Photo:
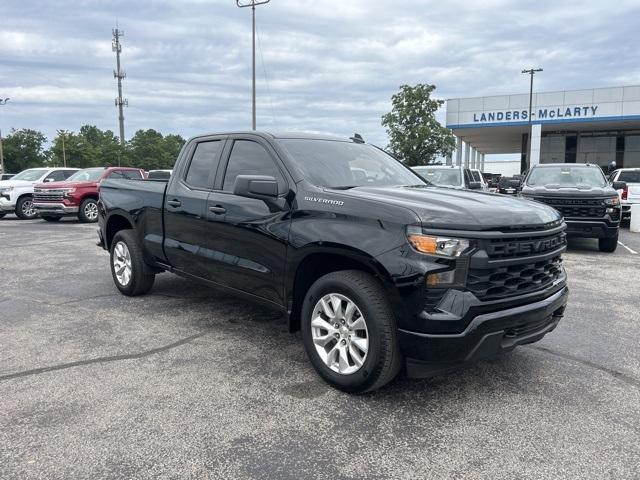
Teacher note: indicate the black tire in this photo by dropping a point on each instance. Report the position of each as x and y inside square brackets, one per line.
[24, 208]
[88, 212]
[2, 214]
[608, 244]
[139, 282]
[383, 358]
[49, 218]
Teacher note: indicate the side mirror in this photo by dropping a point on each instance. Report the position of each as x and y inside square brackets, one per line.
[475, 185]
[619, 185]
[261, 187]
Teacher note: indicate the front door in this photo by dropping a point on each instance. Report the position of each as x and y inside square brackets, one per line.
[248, 237]
[185, 217]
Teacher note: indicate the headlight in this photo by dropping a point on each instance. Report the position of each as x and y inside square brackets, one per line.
[5, 190]
[436, 245]
[68, 191]
[612, 202]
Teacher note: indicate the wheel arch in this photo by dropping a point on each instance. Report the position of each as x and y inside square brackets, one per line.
[315, 262]
[113, 225]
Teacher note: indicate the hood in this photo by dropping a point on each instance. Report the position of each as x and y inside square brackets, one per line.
[449, 208]
[66, 184]
[579, 191]
[15, 183]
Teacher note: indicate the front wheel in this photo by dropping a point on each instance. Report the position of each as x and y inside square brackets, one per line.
[25, 209]
[349, 331]
[127, 265]
[608, 244]
[88, 212]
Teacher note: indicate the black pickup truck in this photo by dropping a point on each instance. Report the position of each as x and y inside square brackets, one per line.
[377, 267]
[583, 196]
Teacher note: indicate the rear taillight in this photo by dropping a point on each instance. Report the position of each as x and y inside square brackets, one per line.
[625, 192]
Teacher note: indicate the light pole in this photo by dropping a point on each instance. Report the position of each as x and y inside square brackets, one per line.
[62, 133]
[524, 165]
[3, 101]
[253, 4]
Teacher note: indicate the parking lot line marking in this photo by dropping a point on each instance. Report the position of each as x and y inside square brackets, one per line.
[630, 249]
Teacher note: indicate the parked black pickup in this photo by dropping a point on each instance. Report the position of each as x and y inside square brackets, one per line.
[583, 196]
[378, 268]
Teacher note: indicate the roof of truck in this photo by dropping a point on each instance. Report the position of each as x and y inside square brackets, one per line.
[279, 135]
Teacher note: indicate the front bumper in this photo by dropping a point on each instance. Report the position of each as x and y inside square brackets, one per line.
[6, 205]
[591, 228]
[47, 208]
[487, 335]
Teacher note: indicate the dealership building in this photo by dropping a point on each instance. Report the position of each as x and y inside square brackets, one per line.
[595, 126]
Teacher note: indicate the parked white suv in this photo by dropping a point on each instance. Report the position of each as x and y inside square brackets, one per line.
[16, 195]
[631, 193]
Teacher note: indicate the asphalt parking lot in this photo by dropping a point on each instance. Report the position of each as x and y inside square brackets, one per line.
[187, 382]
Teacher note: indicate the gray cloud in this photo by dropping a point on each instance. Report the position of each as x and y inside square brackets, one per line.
[331, 66]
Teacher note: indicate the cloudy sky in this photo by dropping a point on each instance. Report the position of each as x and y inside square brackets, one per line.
[324, 65]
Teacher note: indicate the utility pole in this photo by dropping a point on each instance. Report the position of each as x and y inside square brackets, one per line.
[3, 101]
[62, 134]
[118, 73]
[524, 165]
[253, 4]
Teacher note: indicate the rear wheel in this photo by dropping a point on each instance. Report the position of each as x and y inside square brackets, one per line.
[25, 209]
[127, 265]
[608, 244]
[88, 212]
[349, 331]
[49, 218]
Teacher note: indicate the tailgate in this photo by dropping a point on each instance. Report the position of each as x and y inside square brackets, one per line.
[633, 192]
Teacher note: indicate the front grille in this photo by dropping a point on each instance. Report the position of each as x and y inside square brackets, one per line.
[518, 247]
[576, 207]
[494, 283]
[41, 195]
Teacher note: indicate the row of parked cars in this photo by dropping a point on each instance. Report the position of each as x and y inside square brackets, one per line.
[53, 193]
[592, 205]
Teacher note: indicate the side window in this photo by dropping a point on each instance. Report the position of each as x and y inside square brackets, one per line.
[131, 174]
[56, 176]
[250, 158]
[203, 162]
[117, 175]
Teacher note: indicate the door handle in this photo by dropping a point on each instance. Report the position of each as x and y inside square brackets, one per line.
[174, 203]
[218, 210]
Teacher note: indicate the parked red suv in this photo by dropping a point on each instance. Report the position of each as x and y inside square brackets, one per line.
[78, 195]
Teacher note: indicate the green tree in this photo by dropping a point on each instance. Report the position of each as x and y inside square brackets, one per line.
[91, 147]
[24, 148]
[148, 149]
[415, 136]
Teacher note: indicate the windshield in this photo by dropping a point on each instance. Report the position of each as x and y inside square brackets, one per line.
[629, 176]
[567, 176]
[443, 177]
[476, 176]
[87, 175]
[30, 175]
[335, 164]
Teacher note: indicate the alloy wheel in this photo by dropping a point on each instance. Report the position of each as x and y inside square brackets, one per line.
[91, 211]
[27, 209]
[339, 333]
[122, 263]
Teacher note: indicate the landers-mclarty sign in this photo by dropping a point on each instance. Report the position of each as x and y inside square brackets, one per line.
[539, 114]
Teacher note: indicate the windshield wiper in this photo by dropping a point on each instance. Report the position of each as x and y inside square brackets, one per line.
[344, 187]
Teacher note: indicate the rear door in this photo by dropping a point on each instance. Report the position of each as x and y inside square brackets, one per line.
[248, 237]
[185, 208]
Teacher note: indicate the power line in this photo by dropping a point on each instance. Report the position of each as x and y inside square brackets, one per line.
[266, 80]
[119, 74]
